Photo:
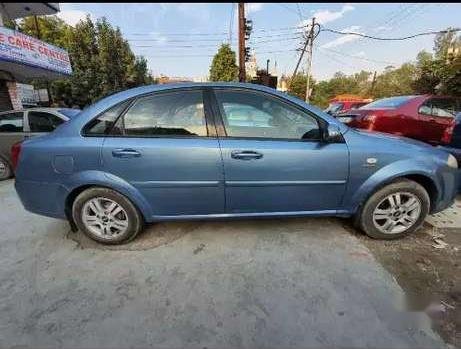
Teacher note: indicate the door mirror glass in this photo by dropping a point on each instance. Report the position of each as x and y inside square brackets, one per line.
[332, 134]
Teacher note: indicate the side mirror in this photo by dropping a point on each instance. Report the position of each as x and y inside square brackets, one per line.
[332, 134]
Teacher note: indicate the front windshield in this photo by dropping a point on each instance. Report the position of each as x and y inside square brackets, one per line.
[388, 103]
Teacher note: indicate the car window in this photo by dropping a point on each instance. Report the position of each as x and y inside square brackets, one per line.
[167, 114]
[104, 123]
[11, 122]
[251, 114]
[440, 107]
[334, 108]
[43, 122]
[388, 103]
[444, 107]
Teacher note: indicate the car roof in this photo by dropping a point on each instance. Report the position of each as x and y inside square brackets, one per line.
[44, 109]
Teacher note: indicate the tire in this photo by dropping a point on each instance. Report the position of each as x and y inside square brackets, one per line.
[91, 213]
[5, 169]
[410, 219]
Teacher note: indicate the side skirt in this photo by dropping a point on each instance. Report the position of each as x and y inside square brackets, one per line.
[325, 213]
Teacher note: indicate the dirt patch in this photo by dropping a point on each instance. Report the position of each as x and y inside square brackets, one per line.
[153, 236]
[430, 276]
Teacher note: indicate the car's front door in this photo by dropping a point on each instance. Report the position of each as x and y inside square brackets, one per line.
[163, 145]
[273, 158]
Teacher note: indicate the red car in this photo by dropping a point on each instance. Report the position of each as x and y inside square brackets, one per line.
[425, 117]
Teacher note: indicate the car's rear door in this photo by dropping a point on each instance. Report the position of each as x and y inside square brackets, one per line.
[165, 146]
[435, 115]
[277, 164]
[11, 131]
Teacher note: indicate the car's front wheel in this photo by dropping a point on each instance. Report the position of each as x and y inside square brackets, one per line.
[106, 216]
[395, 210]
[5, 169]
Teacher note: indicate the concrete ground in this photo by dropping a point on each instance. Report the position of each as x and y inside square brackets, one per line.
[299, 283]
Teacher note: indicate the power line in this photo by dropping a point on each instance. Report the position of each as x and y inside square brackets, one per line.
[388, 39]
[214, 45]
[212, 40]
[356, 57]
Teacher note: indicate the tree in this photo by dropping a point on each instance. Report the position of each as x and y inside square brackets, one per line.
[395, 81]
[101, 59]
[224, 67]
[297, 86]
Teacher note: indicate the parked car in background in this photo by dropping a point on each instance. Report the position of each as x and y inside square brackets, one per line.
[424, 117]
[16, 125]
[344, 103]
[225, 150]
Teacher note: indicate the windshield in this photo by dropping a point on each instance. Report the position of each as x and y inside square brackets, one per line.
[388, 103]
[70, 113]
[334, 108]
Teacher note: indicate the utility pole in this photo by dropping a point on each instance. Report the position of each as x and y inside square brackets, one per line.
[309, 59]
[267, 66]
[301, 56]
[373, 83]
[242, 72]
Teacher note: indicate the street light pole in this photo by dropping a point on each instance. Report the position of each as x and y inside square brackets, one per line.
[242, 72]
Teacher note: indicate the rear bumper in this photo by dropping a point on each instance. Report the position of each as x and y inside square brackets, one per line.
[47, 199]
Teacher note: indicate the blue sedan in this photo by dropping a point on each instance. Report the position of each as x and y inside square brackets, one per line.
[226, 150]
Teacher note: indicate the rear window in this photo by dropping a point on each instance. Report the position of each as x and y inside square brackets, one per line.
[388, 103]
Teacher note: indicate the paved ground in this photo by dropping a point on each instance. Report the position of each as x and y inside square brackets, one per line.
[274, 283]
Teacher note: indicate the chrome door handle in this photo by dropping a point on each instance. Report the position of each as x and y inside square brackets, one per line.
[125, 153]
[246, 154]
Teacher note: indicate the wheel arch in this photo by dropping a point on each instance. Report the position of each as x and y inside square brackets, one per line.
[371, 186]
[93, 179]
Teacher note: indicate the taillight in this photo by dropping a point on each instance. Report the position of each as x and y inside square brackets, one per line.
[448, 134]
[15, 151]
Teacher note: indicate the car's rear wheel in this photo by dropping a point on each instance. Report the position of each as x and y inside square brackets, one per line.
[5, 169]
[106, 216]
[395, 210]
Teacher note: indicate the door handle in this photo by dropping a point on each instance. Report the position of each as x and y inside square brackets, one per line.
[125, 153]
[246, 154]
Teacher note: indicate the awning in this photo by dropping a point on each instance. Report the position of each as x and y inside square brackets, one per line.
[25, 9]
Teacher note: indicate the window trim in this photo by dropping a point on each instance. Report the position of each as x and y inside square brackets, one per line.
[221, 129]
[209, 122]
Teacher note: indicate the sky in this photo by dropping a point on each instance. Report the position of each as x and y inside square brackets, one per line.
[180, 39]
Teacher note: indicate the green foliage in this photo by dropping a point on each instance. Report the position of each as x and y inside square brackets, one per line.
[224, 66]
[297, 86]
[102, 60]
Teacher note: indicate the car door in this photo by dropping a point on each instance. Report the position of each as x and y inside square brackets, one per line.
[164, 146]
[41, 122]
[275, 161]
[435, 114]
[11, 131]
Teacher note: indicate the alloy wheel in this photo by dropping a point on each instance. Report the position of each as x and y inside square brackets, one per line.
[397, 212]
[104, 218]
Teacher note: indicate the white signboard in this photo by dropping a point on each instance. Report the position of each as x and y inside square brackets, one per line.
[20, 48]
